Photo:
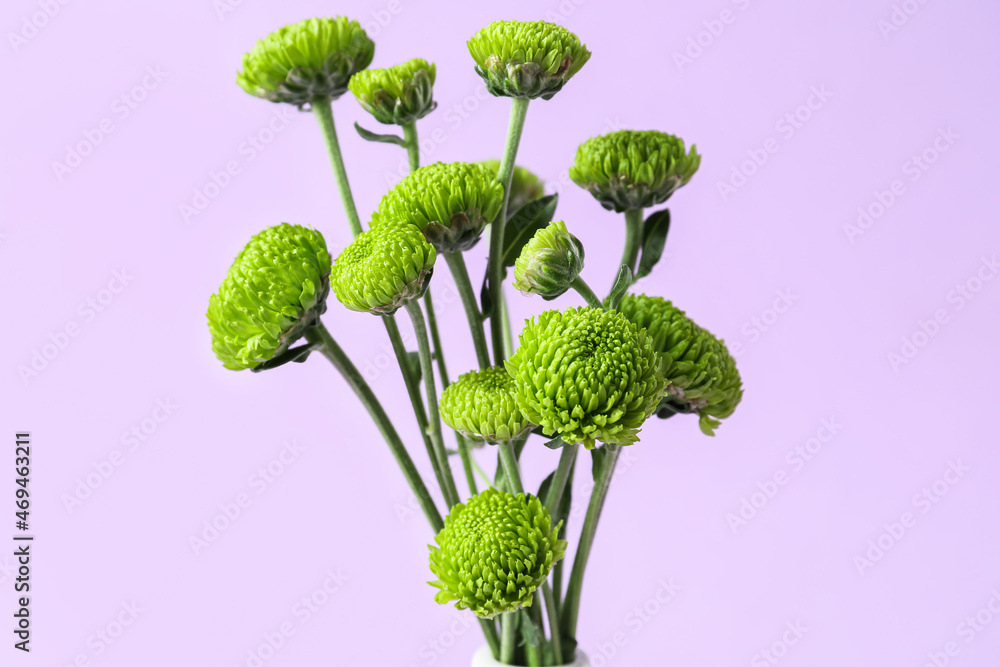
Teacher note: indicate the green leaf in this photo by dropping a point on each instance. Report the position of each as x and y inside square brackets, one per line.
[486, 297]
[529, 631]
[622, 283]
[295, 354]
[522, 226]
[413, 359]
[555, 443]
[597, 461]
[381, 138]
[654, 237]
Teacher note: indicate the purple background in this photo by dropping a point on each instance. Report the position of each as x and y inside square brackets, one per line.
[341, 506]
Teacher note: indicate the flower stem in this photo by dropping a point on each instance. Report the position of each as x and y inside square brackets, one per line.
[518, 111]
[508, 637]
[412, 145]
[508, 459]
[435, 339]
[323, 110]
[553, 613]
[633, 237]
[456, 263]
[507, 337]
[583, 289]
[332, 351]
[533, 653]
[558, 485]
[427, 368]
[571, 605]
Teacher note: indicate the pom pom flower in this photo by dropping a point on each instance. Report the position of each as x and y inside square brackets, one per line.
[493, 552]
[702, 374]
[525, 186]
[451, 203]
[587, 375]
[396, 95]
[549, 262]
[305, 61]
[480, 405]
[274, 291]
[630, 170]
[383, 268]
[526, 59]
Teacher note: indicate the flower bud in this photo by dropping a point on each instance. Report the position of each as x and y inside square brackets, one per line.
[275, 290]
[305, 61]
[526, 59]
[480, 405]
[549, 262]
[450, 203]
[383, 268]
[702, 374]
[587, 375]
[629, 170]
[494, 551]
[396, 95]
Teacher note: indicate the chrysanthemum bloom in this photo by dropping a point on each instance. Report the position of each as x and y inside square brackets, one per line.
[383, 268]
[526, 59]
[274, 291]
[702, 374]
[493, 552]
[524, 186]
[396, 95]
[480, 405]
[305, 61]
[451, 203]
[587, 375]
[549, 262]
[630, 170]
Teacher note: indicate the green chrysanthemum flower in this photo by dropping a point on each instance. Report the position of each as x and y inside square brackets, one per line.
[493, 552]
[628, 169]
[702, 374]
[274, 291]
[480, 405]
[383, 268]
[451, 203]
[305, 61]
[587, 375]
[396, 95]
[525, 186]
[549, 262]
[526, 59]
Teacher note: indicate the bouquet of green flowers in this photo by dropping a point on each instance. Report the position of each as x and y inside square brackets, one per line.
[583, 376]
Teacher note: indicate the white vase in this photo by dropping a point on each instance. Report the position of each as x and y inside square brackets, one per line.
[484, 658]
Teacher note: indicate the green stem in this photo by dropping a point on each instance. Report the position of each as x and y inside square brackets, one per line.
[518, 111]
[427, 368]
[571, 605]
[332, 351]
[459, 271]
[533, 653]
[436, 339]
[563, 517]
[412, 145]
[553, 614]
[489, 627]
[323, 110]
[508, 637]
[413, 390]
[558, 485]
[583, 289]
[507, 337]
[508, 459]
[633, 237]
[482, 474]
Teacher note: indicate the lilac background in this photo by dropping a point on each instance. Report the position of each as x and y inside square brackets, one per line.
[342, 506]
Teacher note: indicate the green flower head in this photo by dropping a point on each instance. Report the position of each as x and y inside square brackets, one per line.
[383, 268]
[628, 170]
[396, 95]
[304, 61]
[526, 59]
[274, 291]
[587, 375]
[493, 552]
[701, 372]
[451, 203]
[480, 405]
[525, 187]
[549, 262]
